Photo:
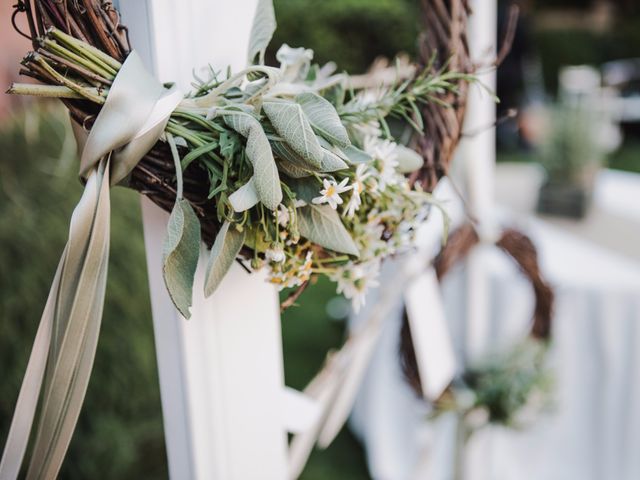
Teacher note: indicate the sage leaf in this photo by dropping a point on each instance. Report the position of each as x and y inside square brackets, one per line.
[224, 251]
[181, 250]
[264, 25]
[284, 152]
[293, 126]
[322, 225]
[258, 149]
[332, 163]
[245, 197]
[408, 160]
[356, 156]
[323, 118]
[293, 170]
[305, 188]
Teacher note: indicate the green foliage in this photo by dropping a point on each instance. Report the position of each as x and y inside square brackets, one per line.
[180, 255]
[557, 48]
[120, 431]
[322, 225]
[223, 253]
[307, 337]
[351, 33]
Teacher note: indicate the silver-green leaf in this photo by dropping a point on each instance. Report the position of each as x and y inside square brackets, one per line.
[356, 156]
[181, 250]
[224, 251]
[265, 171]
[283, 151]
[293, 126]
[293, 170]
[408, 160]
[322, 225]
[264, 25]
[245, 197]
[332, 163]
[323, 118]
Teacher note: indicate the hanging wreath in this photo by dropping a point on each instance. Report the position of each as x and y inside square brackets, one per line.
[292, 168]
[501, 387]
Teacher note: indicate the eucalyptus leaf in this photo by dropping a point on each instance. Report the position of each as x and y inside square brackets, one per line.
[323, 118]
[356, 156]
[264, 25]
[181, 249]
[245, 197]
[265, 171]
[322, 225]
[408, 160]
[224, 251]
[292, 124]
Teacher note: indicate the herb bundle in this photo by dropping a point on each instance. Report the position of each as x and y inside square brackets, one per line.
[290, 168]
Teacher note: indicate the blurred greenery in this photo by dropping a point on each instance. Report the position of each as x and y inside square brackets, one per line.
[351, 33]
[557, 48]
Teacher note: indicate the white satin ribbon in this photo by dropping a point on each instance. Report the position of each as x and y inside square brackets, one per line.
[130, 122]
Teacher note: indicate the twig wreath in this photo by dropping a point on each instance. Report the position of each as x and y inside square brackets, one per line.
[291, 167]
[506, 385]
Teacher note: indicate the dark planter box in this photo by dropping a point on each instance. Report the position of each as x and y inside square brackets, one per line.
[564, 199]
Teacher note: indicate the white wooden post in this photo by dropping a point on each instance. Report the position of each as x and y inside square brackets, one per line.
[480, 156]
[221, 373]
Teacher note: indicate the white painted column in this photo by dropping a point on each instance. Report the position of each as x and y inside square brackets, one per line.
[479, 153]
[221, 372]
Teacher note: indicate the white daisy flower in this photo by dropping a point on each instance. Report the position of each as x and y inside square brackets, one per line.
[355, 280]
[331, 192]
[385, 154]
[353, 205]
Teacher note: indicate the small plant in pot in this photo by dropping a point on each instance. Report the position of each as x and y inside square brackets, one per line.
[580, 134]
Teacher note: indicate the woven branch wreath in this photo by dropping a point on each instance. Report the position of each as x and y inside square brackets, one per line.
[293, 168]
[504, 384]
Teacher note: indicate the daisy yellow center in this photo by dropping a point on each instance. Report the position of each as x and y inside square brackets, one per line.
[331, 191]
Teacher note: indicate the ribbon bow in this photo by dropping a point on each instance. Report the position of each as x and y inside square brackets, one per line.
[131, 121]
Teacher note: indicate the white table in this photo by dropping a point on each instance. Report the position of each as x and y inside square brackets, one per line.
[594, 431]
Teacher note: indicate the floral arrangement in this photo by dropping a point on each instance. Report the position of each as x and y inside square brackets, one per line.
[300, 169]
[510, 388]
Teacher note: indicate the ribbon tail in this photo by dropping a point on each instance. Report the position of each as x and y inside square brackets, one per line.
[27, 403]
[85, 270]
[74, 311]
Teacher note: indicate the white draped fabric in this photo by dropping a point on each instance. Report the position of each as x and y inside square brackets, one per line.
[593, 430]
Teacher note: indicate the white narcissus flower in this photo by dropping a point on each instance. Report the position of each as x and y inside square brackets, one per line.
[275, 254]
[331, 192]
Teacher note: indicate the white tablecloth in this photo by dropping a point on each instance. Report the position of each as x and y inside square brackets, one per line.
[593, 432]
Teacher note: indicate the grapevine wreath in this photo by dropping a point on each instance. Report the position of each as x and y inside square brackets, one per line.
[505, 386]
[292, 168]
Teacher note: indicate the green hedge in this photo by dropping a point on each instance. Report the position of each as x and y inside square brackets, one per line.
[350, 32]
